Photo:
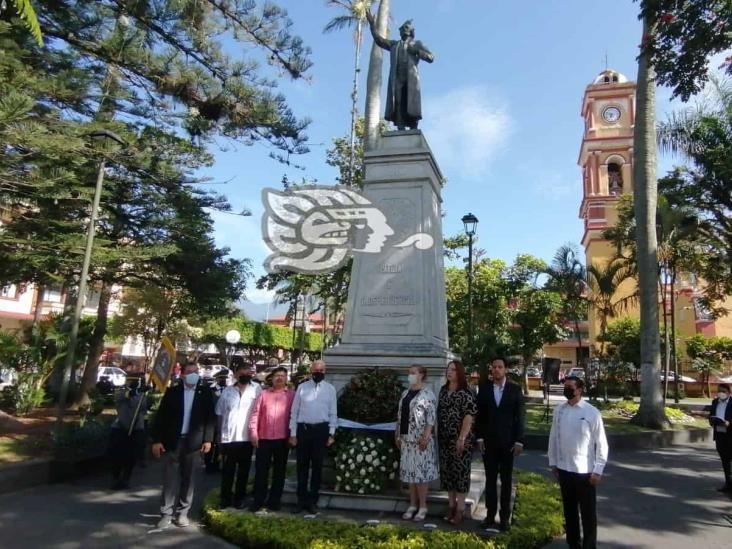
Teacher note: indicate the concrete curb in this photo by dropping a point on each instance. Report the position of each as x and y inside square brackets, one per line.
[37, 472]
[634, 441]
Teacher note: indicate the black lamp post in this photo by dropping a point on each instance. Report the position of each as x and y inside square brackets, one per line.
[81, 295]
[470, 222]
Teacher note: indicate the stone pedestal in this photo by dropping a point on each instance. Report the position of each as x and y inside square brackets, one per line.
[396, 314]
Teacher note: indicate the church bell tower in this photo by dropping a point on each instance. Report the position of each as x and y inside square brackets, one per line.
[606, 160]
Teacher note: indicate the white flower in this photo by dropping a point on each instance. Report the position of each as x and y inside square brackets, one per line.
[383, 468]
[360, 490]
[352, 466]
[374, 452]
[395, 464]
[348, 487]
[351, 452]
[376, 462]
[363, 472]
[372, 445]
[338, 478]
[369, 458]
[359, 458]
[347, 474]
[391, 476]
[367, 481]
[353, 440]
[379, 441]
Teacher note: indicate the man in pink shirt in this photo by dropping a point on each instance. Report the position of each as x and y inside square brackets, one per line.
[269, 432]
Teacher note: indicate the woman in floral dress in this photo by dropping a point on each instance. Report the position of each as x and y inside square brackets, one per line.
[415, 423]
[456, 410]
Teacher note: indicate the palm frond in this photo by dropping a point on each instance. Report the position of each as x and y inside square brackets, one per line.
[28, 15]
[339, 23]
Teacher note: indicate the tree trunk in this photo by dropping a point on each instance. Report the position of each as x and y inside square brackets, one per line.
[667, 350]
[37, 309]
[525, 374]
[96, 344]
[645, 193]
[373, 82]
[354, 101]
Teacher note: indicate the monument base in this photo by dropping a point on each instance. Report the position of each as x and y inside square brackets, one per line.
[396, 314]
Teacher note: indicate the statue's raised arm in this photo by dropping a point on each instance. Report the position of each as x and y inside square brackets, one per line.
[380, 40]
[403, 94]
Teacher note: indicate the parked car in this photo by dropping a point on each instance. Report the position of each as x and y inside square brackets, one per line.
[576, 372]
[116, 376]
[682, 378]
[8, 377]
[533, 372]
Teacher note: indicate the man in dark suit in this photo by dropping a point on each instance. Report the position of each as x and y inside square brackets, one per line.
[499, 427]
[720, 418]
[183, 429]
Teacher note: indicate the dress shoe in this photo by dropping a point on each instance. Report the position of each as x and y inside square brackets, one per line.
[299, 508]
[164, 523]
[254, 508]
[725, 488]
[311, 509]
[239, 504]
[489, 523]
[273, 506]
[224, 503]
[182, 522]
[504, 526]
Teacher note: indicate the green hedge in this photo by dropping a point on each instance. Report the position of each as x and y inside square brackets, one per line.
[537, 520]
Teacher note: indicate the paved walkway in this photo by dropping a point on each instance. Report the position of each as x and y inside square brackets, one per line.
[649, 499]
[87, 514]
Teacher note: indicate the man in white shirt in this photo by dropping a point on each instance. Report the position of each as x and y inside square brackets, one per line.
[234, 409]
[578, 453]
[313, 422]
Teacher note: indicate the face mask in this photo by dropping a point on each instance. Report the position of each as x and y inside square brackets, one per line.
[244, 379]
[192, 378]
[413, 379]
[222, 383]
[723, 396]
[569, 393]
[318, 376]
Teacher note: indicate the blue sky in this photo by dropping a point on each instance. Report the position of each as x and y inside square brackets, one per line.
[501, 113]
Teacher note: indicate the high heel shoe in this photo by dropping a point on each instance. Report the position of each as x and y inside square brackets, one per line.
[421, 514]
[457, 517]
[409, 513]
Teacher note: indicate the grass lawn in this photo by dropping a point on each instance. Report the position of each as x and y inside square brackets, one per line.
[22, 447]
[614, 422]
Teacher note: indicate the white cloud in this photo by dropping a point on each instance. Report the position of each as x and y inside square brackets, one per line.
[556, 186]
[466, 127]
[255, 295]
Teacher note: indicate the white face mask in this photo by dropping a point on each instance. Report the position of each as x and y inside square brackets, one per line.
[413, 379]
[723, 396]
[192, 378]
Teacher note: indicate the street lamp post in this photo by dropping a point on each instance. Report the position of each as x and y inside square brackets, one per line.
[232, 338]
[470, 222]
[74, 333]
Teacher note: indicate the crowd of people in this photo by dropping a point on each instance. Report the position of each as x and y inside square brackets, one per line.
[436, 435]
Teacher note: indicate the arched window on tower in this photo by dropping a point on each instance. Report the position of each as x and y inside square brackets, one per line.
[614, 179]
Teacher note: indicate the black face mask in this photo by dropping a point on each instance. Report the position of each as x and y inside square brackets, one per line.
[318, 377]
[569, 393]
[244, 379]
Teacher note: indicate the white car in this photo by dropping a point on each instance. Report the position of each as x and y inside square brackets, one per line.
[684, 379]
[116, 376]
[8, 377]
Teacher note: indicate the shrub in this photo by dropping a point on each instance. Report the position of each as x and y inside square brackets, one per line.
[537, 520]
[364, 464]
[372, 396]
[23, 397]
[79, 438]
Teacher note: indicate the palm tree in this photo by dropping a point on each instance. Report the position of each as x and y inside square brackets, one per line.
[567, 276]
[603, 282]
[645, 192]
[372, 112]
[355, 15]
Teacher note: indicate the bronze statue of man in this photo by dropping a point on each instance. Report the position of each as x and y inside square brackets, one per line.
[403, 96]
